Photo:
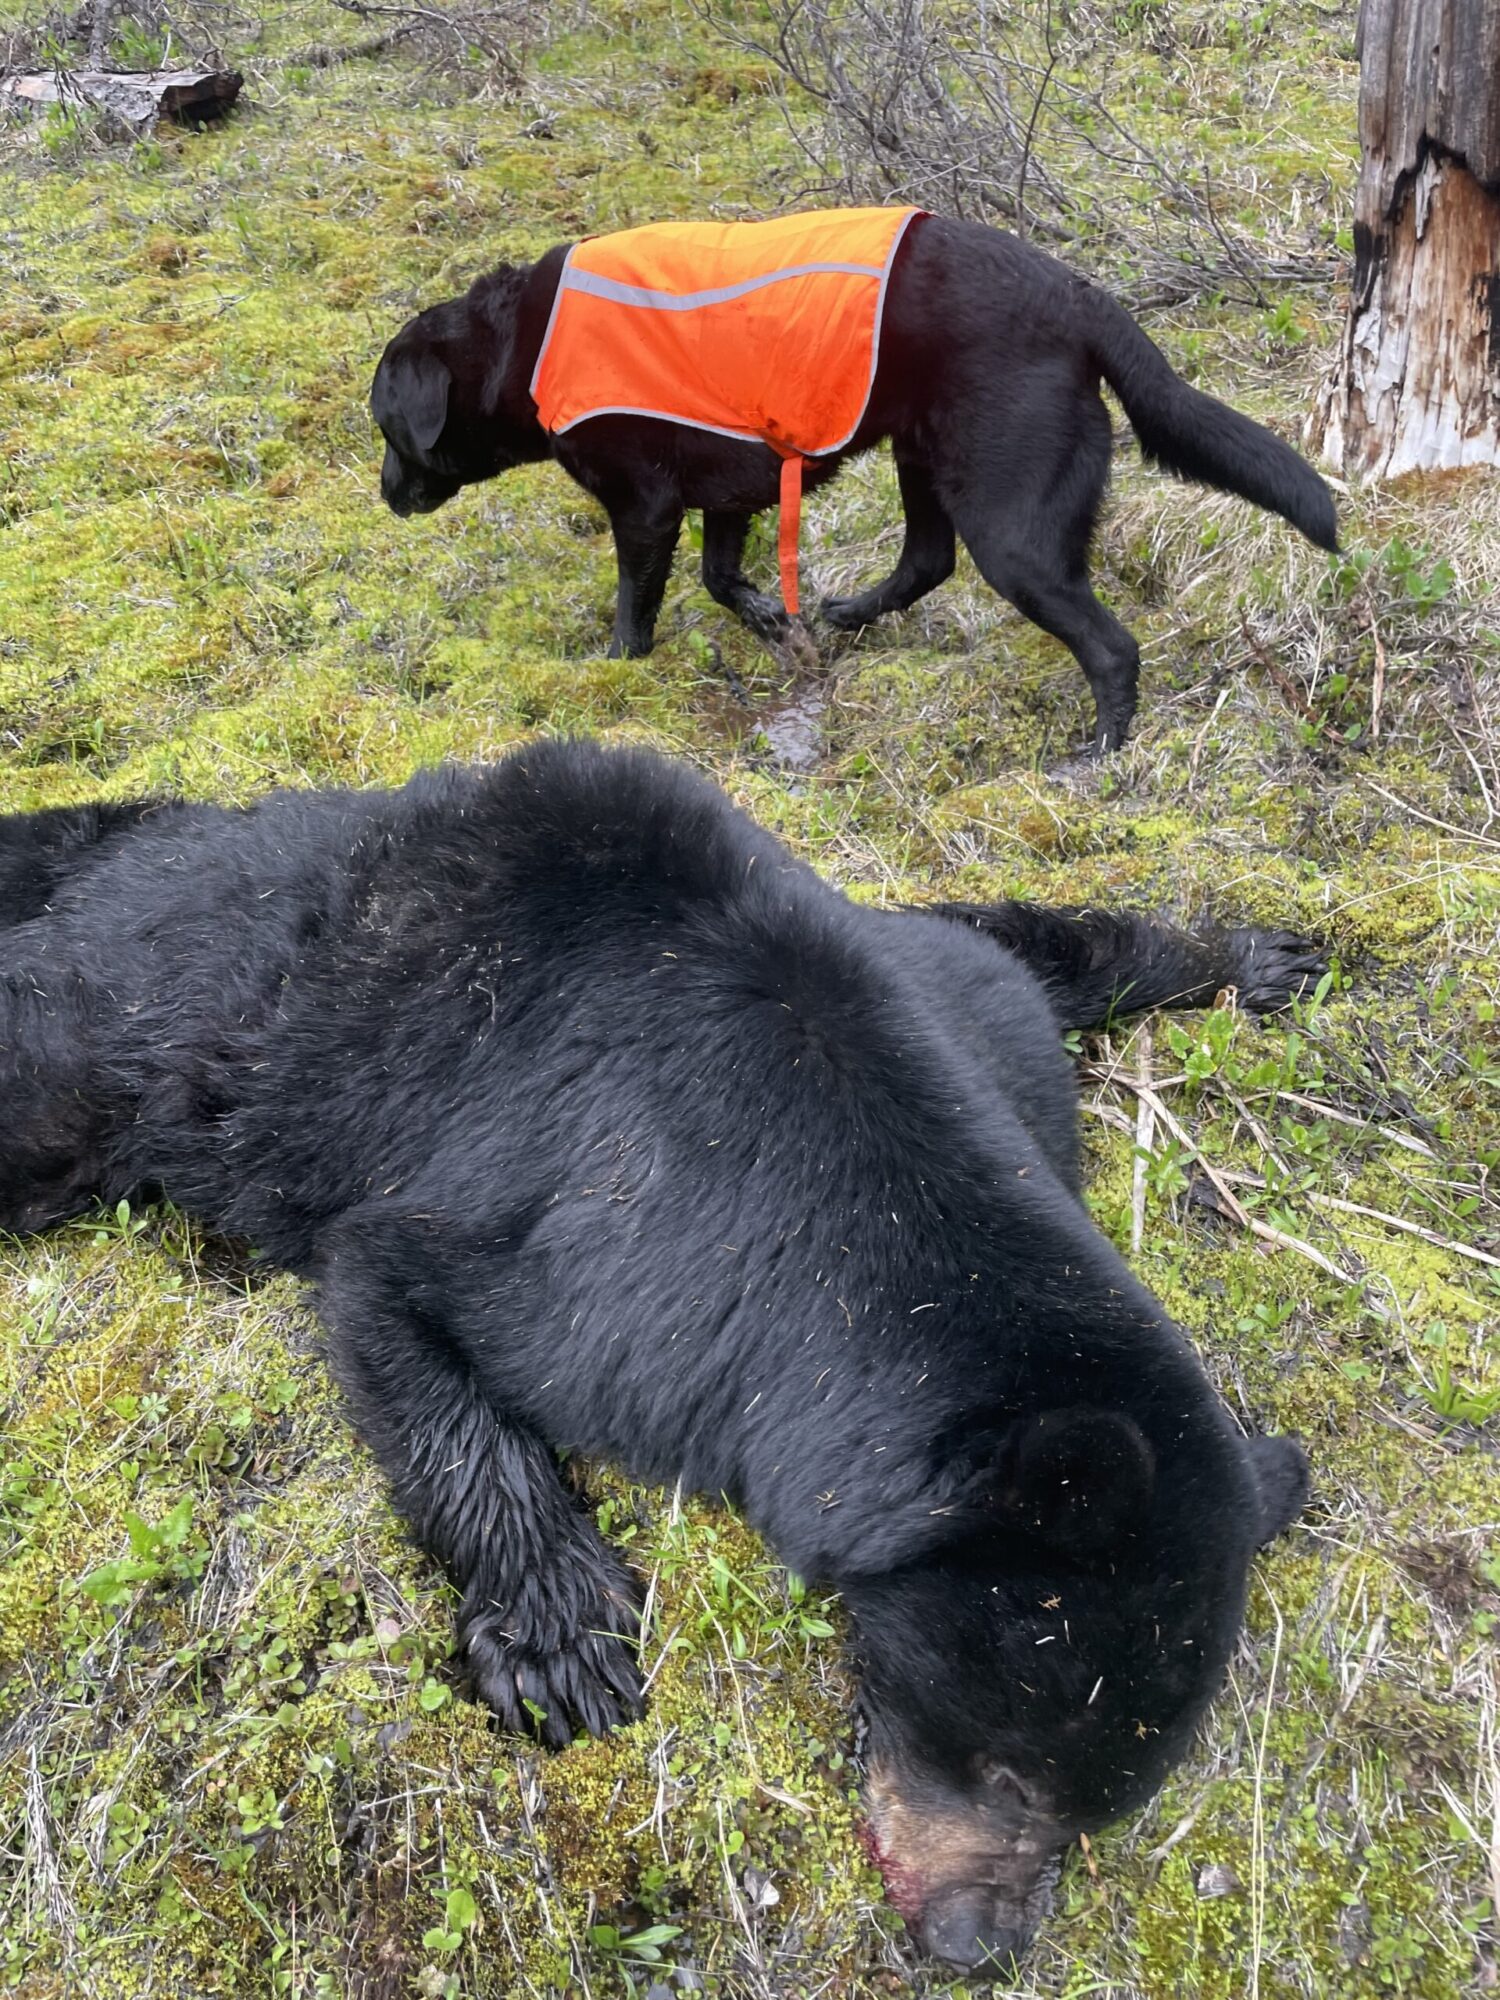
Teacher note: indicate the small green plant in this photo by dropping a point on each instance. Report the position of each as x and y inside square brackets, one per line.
[1282, 327]
[128, 1827]
[115, 1225]
[459, 1913]
[166, 1552]
[1202, 1049]
[1166, 1168]
[1445, 1393]
[260, 1812]
[1266, 1316]
[644, 1946]
[66, 135]
[1409, 568]
[137, 47]
[1457, 1402]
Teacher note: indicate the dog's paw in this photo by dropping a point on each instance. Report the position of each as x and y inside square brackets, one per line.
[846, 614]
[1270, 968]
[552, 1680]
[764, 615]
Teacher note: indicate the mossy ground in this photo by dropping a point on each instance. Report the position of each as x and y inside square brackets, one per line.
[237, 1763]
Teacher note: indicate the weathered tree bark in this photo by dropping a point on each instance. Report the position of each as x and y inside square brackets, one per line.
[1417, 384]
[137, 98]
[101, 33]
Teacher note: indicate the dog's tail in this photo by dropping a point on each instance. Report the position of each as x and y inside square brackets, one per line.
[1198, 436]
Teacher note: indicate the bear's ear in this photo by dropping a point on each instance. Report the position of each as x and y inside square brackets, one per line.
[418, 386]
[1076, 1480]
[1282, 1482]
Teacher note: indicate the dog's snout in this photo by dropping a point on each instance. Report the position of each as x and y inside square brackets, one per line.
[393, 486]
[966, 1929]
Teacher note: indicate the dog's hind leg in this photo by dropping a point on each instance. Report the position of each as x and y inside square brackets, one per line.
[1098, 963]
[927, 556]
[548, 1611]
[1111, 660]
[726, 583]
[1058, 597]
[1023, 484]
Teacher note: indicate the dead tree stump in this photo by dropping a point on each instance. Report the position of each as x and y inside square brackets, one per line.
[1416, 387]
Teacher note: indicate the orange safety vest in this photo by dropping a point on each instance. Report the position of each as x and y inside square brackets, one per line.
[767, 330]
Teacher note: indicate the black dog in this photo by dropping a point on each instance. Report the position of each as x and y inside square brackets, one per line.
[987, 386]
[634, 1137]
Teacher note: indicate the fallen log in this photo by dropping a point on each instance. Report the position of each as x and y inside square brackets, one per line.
[137, 98]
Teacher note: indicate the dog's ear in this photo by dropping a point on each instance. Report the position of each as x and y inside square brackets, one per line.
[1282, 1483]
[418, 385]
[1075, 1480]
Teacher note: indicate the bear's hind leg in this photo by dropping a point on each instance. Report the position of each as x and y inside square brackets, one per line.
[1099, 963]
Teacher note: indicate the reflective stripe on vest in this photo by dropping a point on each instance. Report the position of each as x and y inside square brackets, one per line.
[756, 330]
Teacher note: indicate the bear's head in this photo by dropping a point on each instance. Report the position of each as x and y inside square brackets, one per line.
[1043, 1656]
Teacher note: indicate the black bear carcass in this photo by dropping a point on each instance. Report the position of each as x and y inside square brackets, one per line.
[601, 1123]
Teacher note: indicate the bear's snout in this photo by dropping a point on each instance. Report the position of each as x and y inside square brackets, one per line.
[967, 1927]
[974, 1884]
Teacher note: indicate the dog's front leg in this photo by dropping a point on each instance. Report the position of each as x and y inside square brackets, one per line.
[645, 540]
[927, 556]
[726, 583]
[549, 1614]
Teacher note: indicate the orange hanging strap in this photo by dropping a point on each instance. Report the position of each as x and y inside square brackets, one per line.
[791, 527]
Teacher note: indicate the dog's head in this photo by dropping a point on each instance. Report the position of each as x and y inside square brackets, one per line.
[1033, 1674]
[442, 398]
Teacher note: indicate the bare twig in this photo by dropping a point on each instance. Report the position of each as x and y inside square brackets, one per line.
[327, 55]
[1377, 690]
[1232, 1205]
[497, 31]
[1341, 1207]
[1289, 692]
[1364, 1124]
[1145, 1130]
[1428, 819]
[984, 113]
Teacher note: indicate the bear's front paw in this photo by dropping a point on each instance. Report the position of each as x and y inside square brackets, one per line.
[1271, 968]
[550, 1674]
